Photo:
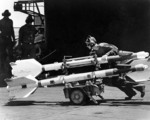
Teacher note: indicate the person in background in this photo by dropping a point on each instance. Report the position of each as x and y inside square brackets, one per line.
[26, 39]
[7, 37]
[7, 33]
[3, 54]
[106, 49]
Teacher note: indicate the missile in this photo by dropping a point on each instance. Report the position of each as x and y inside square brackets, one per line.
[32, 67]
[22, 87]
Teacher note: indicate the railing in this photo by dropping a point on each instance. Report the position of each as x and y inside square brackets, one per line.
[30, 7]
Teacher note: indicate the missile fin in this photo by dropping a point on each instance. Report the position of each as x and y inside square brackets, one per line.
[21, 87]
[140, 76]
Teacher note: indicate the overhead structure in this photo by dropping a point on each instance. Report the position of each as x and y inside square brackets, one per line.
[31, 7]
[31, 0]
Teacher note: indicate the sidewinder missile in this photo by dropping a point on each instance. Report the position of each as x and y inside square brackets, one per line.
[22, 87]
[32, 67]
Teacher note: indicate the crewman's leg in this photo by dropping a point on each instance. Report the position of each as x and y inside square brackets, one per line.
[136, 86]
[128, 91]
[141, 89]
[121, 84]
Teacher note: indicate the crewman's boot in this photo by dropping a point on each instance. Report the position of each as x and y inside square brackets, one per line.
[141, 89]
[130, 96]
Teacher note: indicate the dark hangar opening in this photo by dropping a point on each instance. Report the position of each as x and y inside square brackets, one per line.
[124, 23]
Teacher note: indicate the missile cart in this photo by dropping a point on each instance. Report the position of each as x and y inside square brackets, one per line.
[82, 94]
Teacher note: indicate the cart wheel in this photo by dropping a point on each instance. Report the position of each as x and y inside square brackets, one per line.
[78, 97]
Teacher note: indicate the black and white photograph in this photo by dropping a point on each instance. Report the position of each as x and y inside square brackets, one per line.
[74, 59]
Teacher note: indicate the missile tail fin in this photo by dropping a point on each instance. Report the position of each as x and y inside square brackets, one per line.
[21, 87]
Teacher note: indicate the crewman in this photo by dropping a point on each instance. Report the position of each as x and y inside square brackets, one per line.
[26, 38]
[106, 49]
[7, 37]
[7, 33]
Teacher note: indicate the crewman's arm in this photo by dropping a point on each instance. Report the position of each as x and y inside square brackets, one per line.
[20, 36]
[113, 50]
[12, 32]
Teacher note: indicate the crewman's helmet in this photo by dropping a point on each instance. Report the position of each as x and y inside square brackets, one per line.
[6, 13]
[29, 19]
[90, 41]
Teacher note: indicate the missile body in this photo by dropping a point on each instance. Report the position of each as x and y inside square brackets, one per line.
[88, 75]
[89, 60]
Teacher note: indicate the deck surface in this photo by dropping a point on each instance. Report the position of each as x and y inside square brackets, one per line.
[50, 104]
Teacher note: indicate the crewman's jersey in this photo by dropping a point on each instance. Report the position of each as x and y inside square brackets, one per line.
[104, 49]
[6, 27]
[27, 34]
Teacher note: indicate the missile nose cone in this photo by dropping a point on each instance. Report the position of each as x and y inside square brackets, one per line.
[146, 66]
[146, 54]
[142, 54]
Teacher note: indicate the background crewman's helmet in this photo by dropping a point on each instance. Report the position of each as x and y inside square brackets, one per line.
[6, 13]
[29, 19]
[90, 41]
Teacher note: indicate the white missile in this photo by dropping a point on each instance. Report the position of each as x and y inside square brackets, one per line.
[22, 87]
[32, 67]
